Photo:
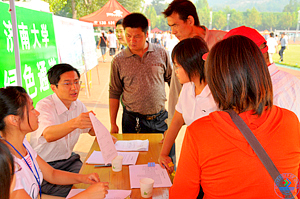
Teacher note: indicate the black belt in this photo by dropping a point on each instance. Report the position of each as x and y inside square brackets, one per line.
[146, 117]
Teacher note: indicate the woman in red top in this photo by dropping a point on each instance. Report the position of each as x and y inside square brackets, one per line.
[215, 154]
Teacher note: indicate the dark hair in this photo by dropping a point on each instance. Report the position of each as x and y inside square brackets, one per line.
[119, 22]
[188, 53]
[110, 31]
[183, 8]
[238, 76]
[271, 34]
[57, 70]
[6, 171]
[136, 20]
[13, 101]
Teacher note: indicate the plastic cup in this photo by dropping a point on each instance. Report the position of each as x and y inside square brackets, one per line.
[146, 187]
[117, 163]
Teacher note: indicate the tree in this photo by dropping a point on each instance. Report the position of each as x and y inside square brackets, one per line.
[219, 20]
[56, 5]
[269, 21]
[158, 6]
[80, 8]
[201, 4]
[162, 23]
[293, 6]
[286, 20]
[151, 14]
[253, 18]
[236, 19]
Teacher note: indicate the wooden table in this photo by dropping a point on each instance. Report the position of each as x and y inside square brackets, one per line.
[120, 180]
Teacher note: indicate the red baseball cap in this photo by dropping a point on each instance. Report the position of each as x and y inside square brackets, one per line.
[251, 33]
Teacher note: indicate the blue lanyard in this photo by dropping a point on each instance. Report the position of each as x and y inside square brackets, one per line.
[37, 178]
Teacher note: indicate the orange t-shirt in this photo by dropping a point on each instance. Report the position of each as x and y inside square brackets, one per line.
[216, 155]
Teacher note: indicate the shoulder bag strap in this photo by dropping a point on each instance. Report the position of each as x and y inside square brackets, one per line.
[257, 148]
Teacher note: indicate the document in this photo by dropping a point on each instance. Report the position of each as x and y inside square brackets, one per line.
[158, 174]
[112, 194]
[128, 158]
[132, 145]
[104, 140]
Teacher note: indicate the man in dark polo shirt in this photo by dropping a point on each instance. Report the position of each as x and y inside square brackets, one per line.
[139, 73]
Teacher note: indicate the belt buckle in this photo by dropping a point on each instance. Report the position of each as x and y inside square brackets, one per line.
[150, 117]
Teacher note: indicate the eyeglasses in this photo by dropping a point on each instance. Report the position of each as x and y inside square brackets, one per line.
[69, 84]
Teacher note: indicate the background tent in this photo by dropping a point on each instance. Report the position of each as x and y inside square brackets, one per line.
[156, 30]
[108, 15]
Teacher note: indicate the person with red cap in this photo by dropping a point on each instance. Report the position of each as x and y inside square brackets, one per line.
[215, 154]
[286, 87]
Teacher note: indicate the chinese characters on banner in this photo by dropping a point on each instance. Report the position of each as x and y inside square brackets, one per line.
[38, 50]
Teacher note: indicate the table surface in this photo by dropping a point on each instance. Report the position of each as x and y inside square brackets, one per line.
[120, 180]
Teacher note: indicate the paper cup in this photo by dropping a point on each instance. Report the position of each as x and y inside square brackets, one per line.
[146, 187]
[117, 163]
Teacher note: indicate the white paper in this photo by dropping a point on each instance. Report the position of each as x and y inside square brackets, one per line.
[112, 194]
[104, 140]
[158, 174]
[132, 145]
[128, 158]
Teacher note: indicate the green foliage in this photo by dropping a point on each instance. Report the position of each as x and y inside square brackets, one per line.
[253, 18]
[286, 20]
[219, 20]
[236, 19]
[159, 6]
[132, 5]
[161, 23]
[293, 6]
[56, 5]
[269, 21]
[151, 14]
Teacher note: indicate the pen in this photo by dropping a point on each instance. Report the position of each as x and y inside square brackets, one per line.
[103, 165]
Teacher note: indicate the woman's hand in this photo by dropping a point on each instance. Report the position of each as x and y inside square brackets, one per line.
[95, 191]
[91, 178]
[165, 161]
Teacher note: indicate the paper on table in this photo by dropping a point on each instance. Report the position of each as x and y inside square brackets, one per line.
[158, 174]
[104, 140]
[132, 145]
[128, 157]
[112, 194]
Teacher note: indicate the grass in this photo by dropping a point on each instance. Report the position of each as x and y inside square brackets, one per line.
[291, 56]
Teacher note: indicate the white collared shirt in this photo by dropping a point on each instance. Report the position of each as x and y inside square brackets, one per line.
[286, 89]
[194, 107]
[54, 112]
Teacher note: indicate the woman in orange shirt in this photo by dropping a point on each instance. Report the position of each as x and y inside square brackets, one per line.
[215, 154]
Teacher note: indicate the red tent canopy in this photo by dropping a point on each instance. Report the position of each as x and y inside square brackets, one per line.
[108, 15]
[155, 30]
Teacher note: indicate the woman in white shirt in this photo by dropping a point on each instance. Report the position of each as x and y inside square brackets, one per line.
[195, 100]
[17, 118]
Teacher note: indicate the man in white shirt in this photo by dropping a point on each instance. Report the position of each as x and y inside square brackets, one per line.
[272, 44]
[62, 119]
[112, 43]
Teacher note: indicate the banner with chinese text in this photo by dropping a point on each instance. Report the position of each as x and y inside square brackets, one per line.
[37, 46]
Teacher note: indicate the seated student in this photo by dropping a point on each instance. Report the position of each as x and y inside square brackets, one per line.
[214, 153]
[62, 119]
[17, 118]
[7, 176]
[195, 100]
